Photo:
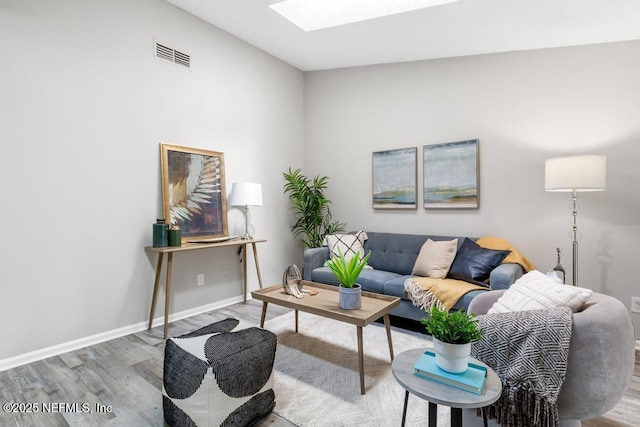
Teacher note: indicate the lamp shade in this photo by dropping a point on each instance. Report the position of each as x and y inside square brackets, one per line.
[579, 173]
[246, 194]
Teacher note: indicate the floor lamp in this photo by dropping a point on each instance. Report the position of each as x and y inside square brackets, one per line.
[246, 194]
[575, 174]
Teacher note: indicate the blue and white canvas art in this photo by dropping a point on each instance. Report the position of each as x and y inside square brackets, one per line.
[395, 179]
[451, 175]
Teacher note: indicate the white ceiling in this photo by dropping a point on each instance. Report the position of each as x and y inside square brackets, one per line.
[468, 27]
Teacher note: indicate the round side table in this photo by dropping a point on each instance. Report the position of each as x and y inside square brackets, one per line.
[442, 394]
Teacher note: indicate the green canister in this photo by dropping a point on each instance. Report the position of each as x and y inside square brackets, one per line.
[160, 233]
[175, 236]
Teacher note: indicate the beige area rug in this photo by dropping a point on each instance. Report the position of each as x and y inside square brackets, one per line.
[317, 381]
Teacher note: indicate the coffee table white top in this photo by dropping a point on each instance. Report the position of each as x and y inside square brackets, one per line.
[442, 394]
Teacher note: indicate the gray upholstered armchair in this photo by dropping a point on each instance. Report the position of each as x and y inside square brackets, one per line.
[600, 363]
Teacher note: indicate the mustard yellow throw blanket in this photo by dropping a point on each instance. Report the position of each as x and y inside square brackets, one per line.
[426, 292]
[514, 257]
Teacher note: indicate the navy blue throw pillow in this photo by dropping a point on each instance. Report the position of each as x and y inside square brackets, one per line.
[474, 262]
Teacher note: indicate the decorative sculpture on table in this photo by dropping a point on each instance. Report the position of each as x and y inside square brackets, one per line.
[559, 268]
[292, 282]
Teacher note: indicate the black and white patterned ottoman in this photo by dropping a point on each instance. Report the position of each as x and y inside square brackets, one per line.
[219, 375]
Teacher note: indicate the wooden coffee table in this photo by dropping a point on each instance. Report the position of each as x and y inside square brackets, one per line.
[325, 304]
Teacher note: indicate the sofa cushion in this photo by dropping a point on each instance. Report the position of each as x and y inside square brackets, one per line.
[475, 262]
[373, 280]
[435, 258]
[535, 291]
[463, 303]
[396, 252]
[324, 275]
[347, 244]
[395, 287]
[370, 280]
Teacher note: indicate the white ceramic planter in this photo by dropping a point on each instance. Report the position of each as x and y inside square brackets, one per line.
[452, 358]
[350, 298]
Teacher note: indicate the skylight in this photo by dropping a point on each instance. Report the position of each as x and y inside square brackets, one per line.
[313, 15]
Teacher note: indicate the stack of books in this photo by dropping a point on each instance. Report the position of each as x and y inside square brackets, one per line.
[471, 380]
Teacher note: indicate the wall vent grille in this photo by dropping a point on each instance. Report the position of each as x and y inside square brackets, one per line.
[168, 54]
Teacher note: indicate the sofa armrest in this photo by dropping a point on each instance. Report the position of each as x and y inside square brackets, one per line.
[504, 275]
[314, 258]
[483, 302]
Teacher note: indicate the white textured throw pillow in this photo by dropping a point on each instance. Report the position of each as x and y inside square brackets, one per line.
[535, 291]
[435, 258]
[348, 244]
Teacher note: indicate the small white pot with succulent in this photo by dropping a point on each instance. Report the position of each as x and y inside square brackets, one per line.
[452, 332]
[347, 272]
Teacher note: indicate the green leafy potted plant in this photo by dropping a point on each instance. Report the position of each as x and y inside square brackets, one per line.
[347, 272]
[452, 332]
[313, 215]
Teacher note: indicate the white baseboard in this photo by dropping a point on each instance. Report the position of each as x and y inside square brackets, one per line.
[66, 347]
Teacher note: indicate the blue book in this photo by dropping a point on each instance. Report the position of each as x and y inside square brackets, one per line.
[471, 380]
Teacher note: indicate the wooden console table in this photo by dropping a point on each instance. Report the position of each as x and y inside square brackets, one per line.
[198, 246]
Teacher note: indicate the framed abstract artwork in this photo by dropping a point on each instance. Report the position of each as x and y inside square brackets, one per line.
[193, 191]
[451, 175]
[395, 179]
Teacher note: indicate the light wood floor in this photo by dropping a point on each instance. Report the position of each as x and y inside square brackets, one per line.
[126, 373]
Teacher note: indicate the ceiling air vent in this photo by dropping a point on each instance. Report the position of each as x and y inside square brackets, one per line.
[172, 55]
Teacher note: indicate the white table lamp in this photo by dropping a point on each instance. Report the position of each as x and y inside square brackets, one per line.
[246, 194]
[576, 174]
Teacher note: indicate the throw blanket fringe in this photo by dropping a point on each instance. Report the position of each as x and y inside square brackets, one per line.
[520, 408]
[528, 350]
[425, 292]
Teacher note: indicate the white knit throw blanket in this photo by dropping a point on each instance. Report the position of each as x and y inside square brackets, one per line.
[528, 350]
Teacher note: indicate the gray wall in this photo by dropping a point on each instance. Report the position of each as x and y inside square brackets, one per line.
[524, 107]
[84, 106]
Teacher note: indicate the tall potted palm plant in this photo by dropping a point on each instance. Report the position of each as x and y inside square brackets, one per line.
[312, 211]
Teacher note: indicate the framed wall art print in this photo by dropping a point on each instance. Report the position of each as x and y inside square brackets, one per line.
[395, 179]
[451, 175]
[193, 191]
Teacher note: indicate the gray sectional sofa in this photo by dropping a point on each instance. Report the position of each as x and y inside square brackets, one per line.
[393, 256]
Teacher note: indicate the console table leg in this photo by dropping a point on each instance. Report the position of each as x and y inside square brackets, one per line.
[167, 293]
[360, 359]
[264, 313]
[156, 284]
[387, 325]
[433, 414]
[296, 321]
[255, 258]
[244, 273]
